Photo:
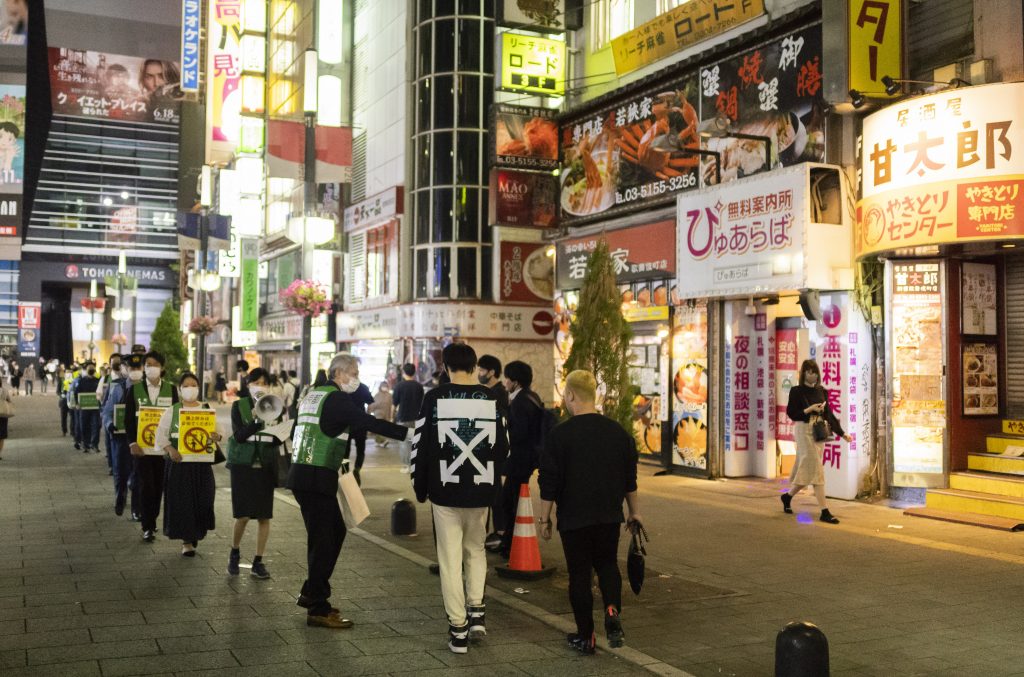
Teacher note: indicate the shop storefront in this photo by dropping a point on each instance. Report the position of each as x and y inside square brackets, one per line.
[943, 206]
[280, 336]
[642, 251]
[385, 338]
[765, 282]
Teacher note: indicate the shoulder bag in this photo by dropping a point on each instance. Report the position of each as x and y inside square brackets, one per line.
[635, 562]
[821, 431]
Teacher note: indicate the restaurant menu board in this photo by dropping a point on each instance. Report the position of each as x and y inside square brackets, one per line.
[636, 151]
[981, 379]
[918, 405]
[978, 299]
[645, 373]
[690, 387]
[523, 137]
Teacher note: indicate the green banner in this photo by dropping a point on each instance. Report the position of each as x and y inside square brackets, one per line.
[250, 288]
[88, 401]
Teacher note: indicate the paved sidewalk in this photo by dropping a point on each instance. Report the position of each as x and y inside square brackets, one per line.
[80, 594]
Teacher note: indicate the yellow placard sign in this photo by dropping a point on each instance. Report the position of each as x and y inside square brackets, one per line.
[530, 63]
[1013, 427]
[149, 419]
[645, 314]
[876, 43]
[195, 427]
[679, 28]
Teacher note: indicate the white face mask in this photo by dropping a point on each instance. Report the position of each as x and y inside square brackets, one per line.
[135, 374]
[351, 386]
[153, 373]
[190, 393]
[256, 391]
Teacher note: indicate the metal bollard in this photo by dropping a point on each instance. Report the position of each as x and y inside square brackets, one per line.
[403, 518]
[801, 650]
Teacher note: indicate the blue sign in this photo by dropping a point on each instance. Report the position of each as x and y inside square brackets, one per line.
[190, 28]
[28, 342]
[219, 230]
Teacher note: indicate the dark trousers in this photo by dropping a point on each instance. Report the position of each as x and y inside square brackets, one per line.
[76, 428]
[121, 459]
[592, 548]
[359, 442]
[149, 484]
[325, 533]
[62, 404]
[89, 424]
[28, 387]
[509, 505]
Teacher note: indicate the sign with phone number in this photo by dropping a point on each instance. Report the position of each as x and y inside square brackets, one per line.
[655, 188]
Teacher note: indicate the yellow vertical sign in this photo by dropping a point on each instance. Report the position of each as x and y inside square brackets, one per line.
[195, 427]
[876, 43]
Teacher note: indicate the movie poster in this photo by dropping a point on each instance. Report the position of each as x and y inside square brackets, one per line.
[114, 87]
[12, 156]
[14, 22]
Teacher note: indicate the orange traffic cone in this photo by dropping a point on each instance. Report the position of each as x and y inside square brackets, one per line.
[524, 562]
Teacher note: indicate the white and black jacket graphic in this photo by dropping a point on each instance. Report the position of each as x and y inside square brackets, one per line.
[459, 448]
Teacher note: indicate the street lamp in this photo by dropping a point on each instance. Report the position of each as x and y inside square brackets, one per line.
[92, 318]
[311, 69]
[203, 280]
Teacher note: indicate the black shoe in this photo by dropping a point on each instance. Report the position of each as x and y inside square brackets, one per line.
[826, 516]
[134, 517]
[79, 446]
[233, 560]
[475, 613]
[148, 536]
[613, 628]
[118, 507]
[458, 639]
[259, 570]
[304, 602]
[786, 499]
[493, 540]
[584, 646]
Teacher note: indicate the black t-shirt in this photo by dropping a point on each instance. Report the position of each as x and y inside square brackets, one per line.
[587, 468]
[408, 397]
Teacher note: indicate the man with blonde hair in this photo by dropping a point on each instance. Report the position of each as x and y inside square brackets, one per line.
[588, 467]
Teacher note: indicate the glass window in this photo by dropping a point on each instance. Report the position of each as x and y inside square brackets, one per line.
[442, 275]
[443, 217]
[423, 104]
[467, 161]
[422, 272]
[444, 46]
[467, 214]
[423, 55]
[469, 101]
[485, 265]
[469, 44]
[423, 217]
[469, 7]
[444, 8]
[466, 283]
[423, 161]
[489, 46]
[488, 93]
[444, 101]
[442, 158]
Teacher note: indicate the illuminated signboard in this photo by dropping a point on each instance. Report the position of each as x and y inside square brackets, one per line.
[876, 49]
[190, 32]
[530, 63]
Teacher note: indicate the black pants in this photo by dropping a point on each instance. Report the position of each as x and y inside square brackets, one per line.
[592, 548]
[509, 505]
[325, 533]
[62, 404]
[149, 478]
[359, 442]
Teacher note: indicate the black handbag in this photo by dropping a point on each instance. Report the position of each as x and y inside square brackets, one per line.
[821, 431]
[635, 563]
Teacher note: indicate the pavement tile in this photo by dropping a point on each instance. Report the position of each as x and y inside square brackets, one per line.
[12, 658]
[321, 651]
[30, 640]
[197, 660]
[94, 651]
[295, 669]
[154, 631]
[76, 669]
[375, 665]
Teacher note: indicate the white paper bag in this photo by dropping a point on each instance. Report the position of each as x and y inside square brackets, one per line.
[350, 497]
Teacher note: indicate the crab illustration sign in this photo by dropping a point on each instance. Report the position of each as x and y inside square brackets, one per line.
[465, 425]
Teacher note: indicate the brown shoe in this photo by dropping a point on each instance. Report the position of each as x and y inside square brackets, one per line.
[332, 620]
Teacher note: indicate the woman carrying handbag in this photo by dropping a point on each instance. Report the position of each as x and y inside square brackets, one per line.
[815, 423]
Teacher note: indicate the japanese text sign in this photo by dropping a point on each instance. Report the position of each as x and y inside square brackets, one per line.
[744, 236]
[639, 253]
[190, 38]
[195, 427]
[942, 168]
[530, 63]
[527, 273]
[679, 28]
[535, 15]
[114, 87]
[876, 43]
[149, 419]
[250, 283]
[523, 137]
[224, 77]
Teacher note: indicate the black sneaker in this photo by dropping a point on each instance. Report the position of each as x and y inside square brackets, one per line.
[148, 536]
[233, 559]
[786, 499]
[584, 645]
[458, 639]
[613, 628]
[79, 446]
[259, 570]
[826, 516]
[475, 613]
[493, 540]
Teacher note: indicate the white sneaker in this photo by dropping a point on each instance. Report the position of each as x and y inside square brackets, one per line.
[405, 470]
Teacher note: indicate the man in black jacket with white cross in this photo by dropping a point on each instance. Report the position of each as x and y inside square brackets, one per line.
[459, 449]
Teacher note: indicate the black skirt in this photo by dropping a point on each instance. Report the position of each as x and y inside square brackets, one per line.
[252, 491]
[3, 428]
[189, 491]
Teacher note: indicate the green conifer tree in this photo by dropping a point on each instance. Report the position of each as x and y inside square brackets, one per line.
[166, 339]
[600, 338]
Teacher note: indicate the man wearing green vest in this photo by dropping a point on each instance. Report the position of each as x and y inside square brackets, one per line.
[326, 417]
[149, 468]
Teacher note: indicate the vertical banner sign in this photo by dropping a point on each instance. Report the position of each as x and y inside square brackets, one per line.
[190, 25]
[250, 284]
[786, 366]
[690, 387]
[876, 43]
[12, 157]
[224, 105]
[29, 320]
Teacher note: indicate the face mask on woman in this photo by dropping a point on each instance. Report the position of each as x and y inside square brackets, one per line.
[153, 373]
[135, 374]
[257, 391]
[190, 393]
